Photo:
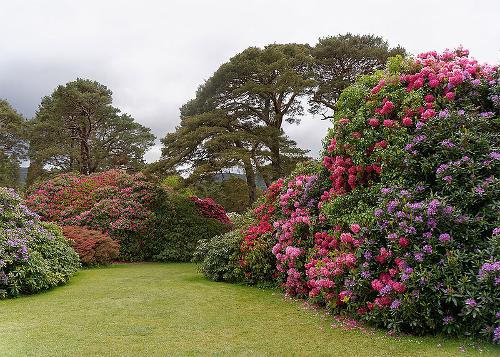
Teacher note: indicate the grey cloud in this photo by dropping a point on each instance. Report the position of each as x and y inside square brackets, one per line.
[154, 54]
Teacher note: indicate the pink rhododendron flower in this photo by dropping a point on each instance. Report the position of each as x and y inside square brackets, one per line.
[398, 287]
[429, 98]
[450, 95]
[428, 113]
[377, 285]
[355, 228]
[389, 123]
[407, 121]
[373, 122]
[404, 242]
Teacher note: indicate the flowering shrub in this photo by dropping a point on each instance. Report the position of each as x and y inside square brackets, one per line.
[112, 202]
[93, 247]
[211, 209]
[256, 259]
[34, 255]
[419, 267]
[150, 223]
[400, 225]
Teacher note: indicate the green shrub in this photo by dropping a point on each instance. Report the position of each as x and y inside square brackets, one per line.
[34, 255]
[176, 227]
[218, 257]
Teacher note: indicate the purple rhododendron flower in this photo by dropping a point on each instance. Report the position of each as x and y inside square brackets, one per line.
[419, 257]
[433, 206]
[448, 143]
[365, 274]
[448, 179]
[396, 304]
[471, 302]
[447, 320]
[496, 334]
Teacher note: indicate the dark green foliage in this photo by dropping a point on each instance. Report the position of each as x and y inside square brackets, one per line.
[12, 144]
[338, 60]
[469, 183]
[232, 193]
[9, 171]
[176, 227]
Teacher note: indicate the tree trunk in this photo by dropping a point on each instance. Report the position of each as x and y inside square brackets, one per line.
[85, 157]
[35, 170]
[260, 171]
[250, 176]
[274, 146]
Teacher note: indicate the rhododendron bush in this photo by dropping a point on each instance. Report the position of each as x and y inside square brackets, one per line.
[400, 226]
[149, 223]
[112, 202]
[211, 209]
[34, 255]
[178, 223]
[93, 247]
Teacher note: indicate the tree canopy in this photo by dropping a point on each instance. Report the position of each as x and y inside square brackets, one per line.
[236, 118]
[76, 128]
[338, 60]
[12, 144]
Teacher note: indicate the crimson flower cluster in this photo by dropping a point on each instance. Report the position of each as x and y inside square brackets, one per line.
[211, 209]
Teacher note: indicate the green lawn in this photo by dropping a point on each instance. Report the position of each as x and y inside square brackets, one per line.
[170, 309]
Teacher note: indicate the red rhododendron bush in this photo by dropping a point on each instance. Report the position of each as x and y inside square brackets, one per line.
[211, 209]
[93, 247]
[399, 226]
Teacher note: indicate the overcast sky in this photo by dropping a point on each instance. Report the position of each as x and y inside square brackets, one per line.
[154, 54]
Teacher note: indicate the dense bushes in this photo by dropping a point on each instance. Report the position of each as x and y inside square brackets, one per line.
[33, 255]
[149, 222]
[111, 201]
[93, 247]
[176, 226]
[400, 225]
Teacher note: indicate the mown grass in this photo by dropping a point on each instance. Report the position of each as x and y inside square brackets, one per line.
[170, 309]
